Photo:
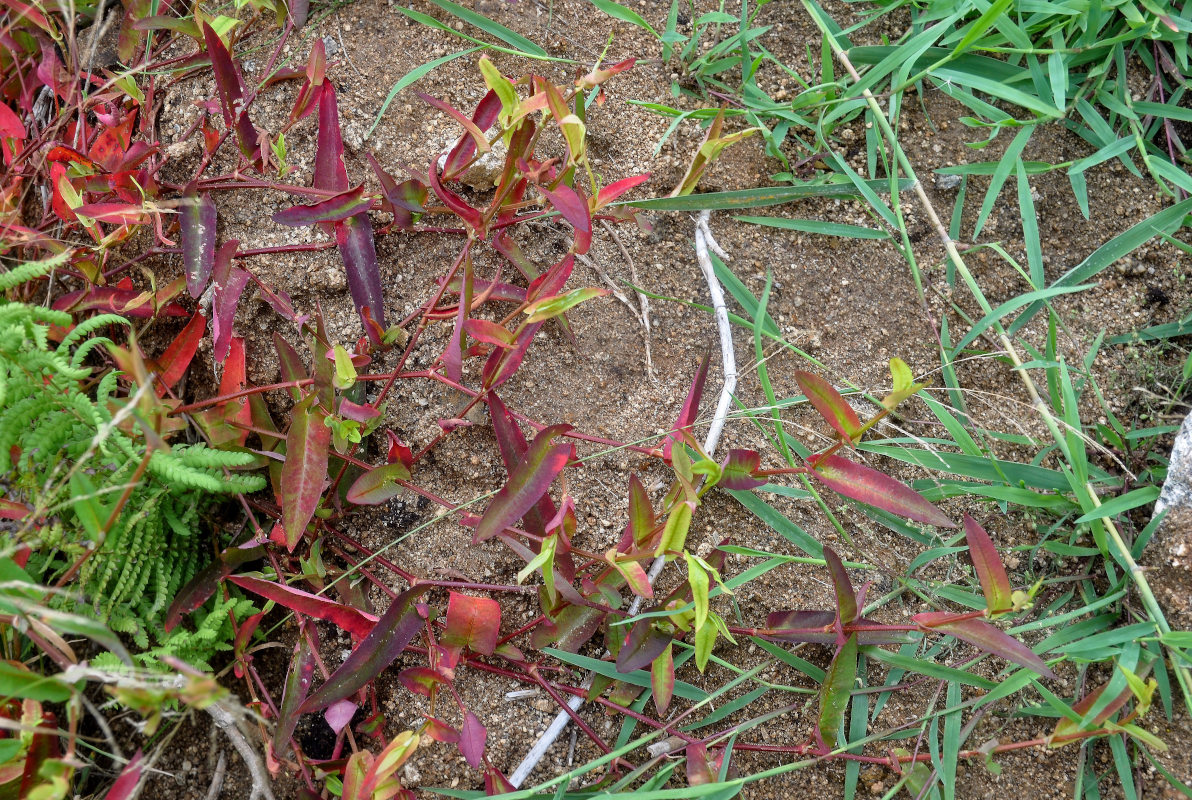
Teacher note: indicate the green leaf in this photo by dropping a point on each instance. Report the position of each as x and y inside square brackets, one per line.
[514, 40]
[697, 578]
[816, 226]
[754, 198]
[836, 690]
[378, 485]
[625, 15]
[1122, 504]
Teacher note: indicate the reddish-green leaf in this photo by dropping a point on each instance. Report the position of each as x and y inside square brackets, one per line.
[305, 471]
[424, 681]
[574, 208]
[197, 221]
[472, 622]
[985, 636]
[472, 738]
[333, 209]
[379, 649]
[352, 620]
[633, 573]
[298, 681]
[227, 78]
[176, 359]
[737, 470]
[482, 119]
[831, 406]
[489, 332]
[126, 785]
[846, 598]
[454, 202]
[292, 368]
[529, 481]
[551, 307]
[569, 630]
[479, 140]
[641, 514]
[994, 581]
[440, 731]
[662, 679]
[114, 213]
[836, 690]
[690, 408]
[378, 485]
[875, 488]
[819, 627]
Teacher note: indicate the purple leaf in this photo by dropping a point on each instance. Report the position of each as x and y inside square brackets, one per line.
[643, 644]
[985, 636]
[228, 285]
[690, 408]
[227, 78]
[736, 471]
[292, 367]
[359, 253]
[472, 737]
[573, 208]
[875, 488]
[569, 630]
[379, 649]
[305, 470]
[994, 581]
[846, 598]
[338, 715]
[479, 140]
[333, 209]
[831, 406]
[455, 203]
[330, 172]
[197, 230]
[529, 481]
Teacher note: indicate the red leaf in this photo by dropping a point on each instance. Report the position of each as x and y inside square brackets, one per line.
[994, 581]
[298, 680]
[330, 172]
[690, 408]
[472, 737]
[614, 190]
[819, 627]
[483, 118]
[875, 488]
[453, 202]
[472, 622]
[11, 509]
[359, 253]
[736, 471]
[227, 78]
[846, 598]
[129, 302]
[985, 636]
[490, 332]
[305, 470]
[126, 785]
[379, 649]
[831, 406]
[573, 208]
[352, 620]
[197, 222]
[232, 381]
[422, 681]
[440, 731]
[338, 715]
[112, 143]
[528, 482]
[333, 209]
[399, 451]
[512, 445]
[378, 485]
[62, 154]
[176, 359]
[10, 124]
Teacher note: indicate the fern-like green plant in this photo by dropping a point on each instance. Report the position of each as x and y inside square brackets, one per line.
[121, 518]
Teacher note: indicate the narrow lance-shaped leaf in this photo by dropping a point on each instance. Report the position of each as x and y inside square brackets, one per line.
[126, 785]
[985, 636]
[643, 644]
[472, 739]
[298, 681]
[994, 581]
[347, 618]
[832, 407]
[379, 649]
[574, 208]
[227, 79]
[513, 446]
[197, 222]
[818, 627]
[875, 488]
[846, 598]
[472, 622]
[330, 172]
[690, 408]
[641, 513]
[836, 691]
[528, 482]
[228, 284]
[550, 307]
[305, 470]
[333, 209]
[359, 253]
[177, 357]
[378, 484]
[662, 679]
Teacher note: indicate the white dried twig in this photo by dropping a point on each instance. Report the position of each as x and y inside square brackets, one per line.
[225, 720]
[642, 300]
[217, 780]
[704, 240]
